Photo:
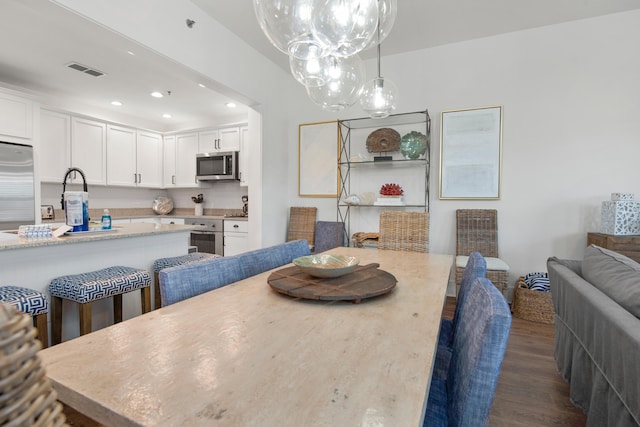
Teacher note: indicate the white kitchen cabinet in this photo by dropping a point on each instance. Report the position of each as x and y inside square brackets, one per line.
[55, 145]
[134, 158]
[169, 161]
[219, 140]
[244, 157]
[229, 139]
[186, 151]
[89, 150]
[208, 141]
[121, 156]
[236, 238]
[16, 116]
[149, 159]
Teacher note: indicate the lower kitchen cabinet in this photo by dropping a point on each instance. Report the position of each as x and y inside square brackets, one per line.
[236, 239]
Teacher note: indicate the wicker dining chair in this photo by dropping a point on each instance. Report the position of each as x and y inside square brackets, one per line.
[477, 231]
[404, 231]
[302, 224]
[26, 395]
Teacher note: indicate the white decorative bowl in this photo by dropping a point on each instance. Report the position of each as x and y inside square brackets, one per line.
[327, 265]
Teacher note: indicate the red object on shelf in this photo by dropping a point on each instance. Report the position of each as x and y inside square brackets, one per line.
[391, 190]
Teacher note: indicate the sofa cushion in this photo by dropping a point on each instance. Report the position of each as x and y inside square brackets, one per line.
[615, 275]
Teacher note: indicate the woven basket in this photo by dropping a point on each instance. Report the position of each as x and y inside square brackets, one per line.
[26, 396]
[532, 305]
[362, 239]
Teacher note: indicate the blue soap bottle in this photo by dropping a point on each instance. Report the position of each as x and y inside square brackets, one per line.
[106, 220]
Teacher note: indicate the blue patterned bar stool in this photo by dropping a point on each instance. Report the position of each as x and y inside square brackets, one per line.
[34, 303]
[163, 263]
[85, 288]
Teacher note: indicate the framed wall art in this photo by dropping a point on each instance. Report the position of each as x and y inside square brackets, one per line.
[471, 153]
[318, 148]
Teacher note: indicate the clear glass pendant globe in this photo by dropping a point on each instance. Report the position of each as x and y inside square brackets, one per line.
[287, 25]
[310, 72]
[379, 98]
[387, 11]
[348, 26]
[343, 87]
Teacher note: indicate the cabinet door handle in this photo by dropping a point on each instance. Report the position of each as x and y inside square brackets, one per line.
[135, 178]
[139, 178]
[236, 226]
[173, 179]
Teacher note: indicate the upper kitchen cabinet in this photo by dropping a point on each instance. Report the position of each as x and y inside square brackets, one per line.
[16, 116]
[89, 150]
[149, 159]
[169, 161]
[186, 151]
[55, 145]
[134, 157]
[219, 140]
[244, 156]
[121, 156]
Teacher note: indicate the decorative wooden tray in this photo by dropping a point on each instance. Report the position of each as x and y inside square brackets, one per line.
[364, 282]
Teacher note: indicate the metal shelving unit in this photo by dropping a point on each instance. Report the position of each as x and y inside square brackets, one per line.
[361, 174]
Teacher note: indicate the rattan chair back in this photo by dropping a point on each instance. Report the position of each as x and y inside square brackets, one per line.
[302, 224]
[477, 231]
[26, 396]
[404, 231]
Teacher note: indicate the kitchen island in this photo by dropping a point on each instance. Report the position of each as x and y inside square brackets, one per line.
[32, 263]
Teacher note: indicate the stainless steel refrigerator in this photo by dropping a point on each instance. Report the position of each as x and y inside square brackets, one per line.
[17, 200]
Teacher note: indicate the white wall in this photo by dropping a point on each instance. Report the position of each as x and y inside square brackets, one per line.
[571, 133]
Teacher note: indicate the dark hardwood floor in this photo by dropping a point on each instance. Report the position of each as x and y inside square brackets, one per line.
[530, 392]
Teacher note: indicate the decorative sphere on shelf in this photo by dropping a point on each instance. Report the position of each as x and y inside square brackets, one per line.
[413, 145]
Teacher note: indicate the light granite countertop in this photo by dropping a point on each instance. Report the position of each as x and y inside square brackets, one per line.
[9, 240]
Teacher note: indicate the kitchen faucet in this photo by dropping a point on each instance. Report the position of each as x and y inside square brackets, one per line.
[64, 183]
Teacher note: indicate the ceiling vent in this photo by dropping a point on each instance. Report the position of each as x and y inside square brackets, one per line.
[85, 69]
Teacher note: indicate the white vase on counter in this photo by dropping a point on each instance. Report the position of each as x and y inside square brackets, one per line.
[199, 209]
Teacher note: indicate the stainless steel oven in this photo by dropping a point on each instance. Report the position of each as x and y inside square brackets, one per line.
[209, 239]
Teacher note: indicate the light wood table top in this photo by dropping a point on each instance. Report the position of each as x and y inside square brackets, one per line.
[244, 355]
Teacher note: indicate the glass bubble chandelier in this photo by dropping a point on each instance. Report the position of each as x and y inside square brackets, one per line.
[323, 39]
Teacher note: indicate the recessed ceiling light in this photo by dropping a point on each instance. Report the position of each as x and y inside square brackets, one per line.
[116, 103]
[166, 116]
[201, 85]
[131, 53]
[231, 104]
[157, 94]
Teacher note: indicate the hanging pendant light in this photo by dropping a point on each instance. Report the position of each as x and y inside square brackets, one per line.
[310, 72]
[343, 86]
[348, 26]
[379, 96]
[287, 25]
[388, 9]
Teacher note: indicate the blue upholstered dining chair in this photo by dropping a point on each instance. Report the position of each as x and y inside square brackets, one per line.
[329, 235]
[464, 398]
[476, 267]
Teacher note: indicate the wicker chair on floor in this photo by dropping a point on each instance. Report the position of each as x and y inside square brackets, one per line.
[477, 231]
[302, 224]
[404, 231]
[26, 396]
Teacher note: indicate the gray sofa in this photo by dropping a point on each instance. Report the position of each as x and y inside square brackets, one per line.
[597, 334]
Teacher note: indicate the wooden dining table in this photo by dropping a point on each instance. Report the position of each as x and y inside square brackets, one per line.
[246, 355]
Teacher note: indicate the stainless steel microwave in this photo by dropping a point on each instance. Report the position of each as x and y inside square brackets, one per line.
[217, 166]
